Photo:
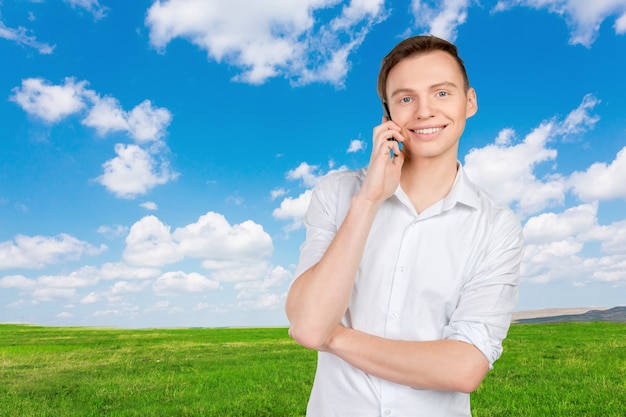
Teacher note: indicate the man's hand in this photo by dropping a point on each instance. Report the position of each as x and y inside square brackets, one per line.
[383, 173]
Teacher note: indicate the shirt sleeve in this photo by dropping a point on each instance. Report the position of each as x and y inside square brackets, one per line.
[320, 223]
[483, 315]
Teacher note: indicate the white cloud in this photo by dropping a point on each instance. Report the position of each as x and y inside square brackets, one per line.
[232, 252]
[90, 298]
[146, 123]
[92, 6]
[149, 205]
[21, 37]
[119, 270]
[507, 169]
[265, 301]
[54, 294]
[19, 282]
[441, 20]
[270, 38]
[236, 271]
[143, 123]
[213, 238]
[50, 102]
[174, 283]
[306, 173]
[507, 172]
[583, 17]
[620, 25]
[39, 251]
[112, 231]
[106, 115]
[601, 181]
[615, 240]
[293, 209]
[38, 97]
[356, 146]
[134, 172]
[275, 278]
[580, 120]
[125, 287]
[150, 243]
[549, 227]
[86, 276]
[278, 192]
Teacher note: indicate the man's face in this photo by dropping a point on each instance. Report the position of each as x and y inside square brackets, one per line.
[427, 99]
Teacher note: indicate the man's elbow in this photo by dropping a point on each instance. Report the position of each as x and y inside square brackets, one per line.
[469, 378]
[307, 337]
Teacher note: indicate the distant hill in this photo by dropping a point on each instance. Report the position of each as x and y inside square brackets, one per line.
[615, 314]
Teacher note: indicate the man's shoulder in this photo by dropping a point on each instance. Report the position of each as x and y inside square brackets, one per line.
[342, 178]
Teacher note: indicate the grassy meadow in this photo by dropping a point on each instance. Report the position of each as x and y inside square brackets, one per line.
[569, 369]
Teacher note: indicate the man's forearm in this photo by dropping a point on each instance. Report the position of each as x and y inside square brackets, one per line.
[319, 298]
[446, 365]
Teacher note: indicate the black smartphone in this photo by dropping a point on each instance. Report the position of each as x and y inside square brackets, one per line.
[387, 114]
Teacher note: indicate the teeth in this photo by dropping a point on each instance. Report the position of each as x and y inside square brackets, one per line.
[428, 131]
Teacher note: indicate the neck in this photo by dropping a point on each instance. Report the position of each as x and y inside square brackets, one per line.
[427, 181]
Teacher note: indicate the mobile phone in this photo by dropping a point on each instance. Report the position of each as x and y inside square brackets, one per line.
[387, 113]
[388, 116]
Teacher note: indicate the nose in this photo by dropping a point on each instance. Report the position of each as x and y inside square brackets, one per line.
[423, 108]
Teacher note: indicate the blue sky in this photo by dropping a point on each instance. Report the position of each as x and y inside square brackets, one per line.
[157, 158]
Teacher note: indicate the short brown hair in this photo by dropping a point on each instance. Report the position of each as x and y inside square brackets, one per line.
[413, 46]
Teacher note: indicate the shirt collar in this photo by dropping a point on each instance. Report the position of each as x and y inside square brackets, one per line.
[463, 191]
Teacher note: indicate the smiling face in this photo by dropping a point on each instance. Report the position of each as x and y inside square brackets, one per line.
[428, 99]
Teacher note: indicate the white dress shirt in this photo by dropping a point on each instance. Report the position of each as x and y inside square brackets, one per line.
[450, 272]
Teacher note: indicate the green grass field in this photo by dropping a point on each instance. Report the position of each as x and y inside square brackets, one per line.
[575, 369]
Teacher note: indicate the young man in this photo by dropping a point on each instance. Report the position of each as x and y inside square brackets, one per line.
[409, 273]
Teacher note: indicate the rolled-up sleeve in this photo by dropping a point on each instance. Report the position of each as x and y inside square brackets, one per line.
[487, 300]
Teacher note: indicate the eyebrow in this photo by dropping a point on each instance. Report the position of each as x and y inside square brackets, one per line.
[444, 84]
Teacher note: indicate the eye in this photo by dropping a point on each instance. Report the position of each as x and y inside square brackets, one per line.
[405, 100]
[442, 94]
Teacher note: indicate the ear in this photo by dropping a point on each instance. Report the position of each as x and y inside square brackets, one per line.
[472, 103]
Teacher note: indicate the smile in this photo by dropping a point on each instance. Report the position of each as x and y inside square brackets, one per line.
[428, 131]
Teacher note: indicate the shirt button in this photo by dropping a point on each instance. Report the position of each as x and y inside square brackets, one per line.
[402, 269]
[387, 412]
[394, 316]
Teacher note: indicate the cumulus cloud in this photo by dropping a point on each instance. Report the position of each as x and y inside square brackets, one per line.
[601, 181]
[507, 169]
[134, 171]
[150, 243]
[105, 114]
[275, 278]
[293, 209]
[550, 227]
[306, 173]
[441, 19]
[584, 18]
[269, 39]
[356, 146]
[38, 251]
[50, 102]
[213, 238]
[231, 252]
[144, 123]
[174, 283]
[137, 169]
